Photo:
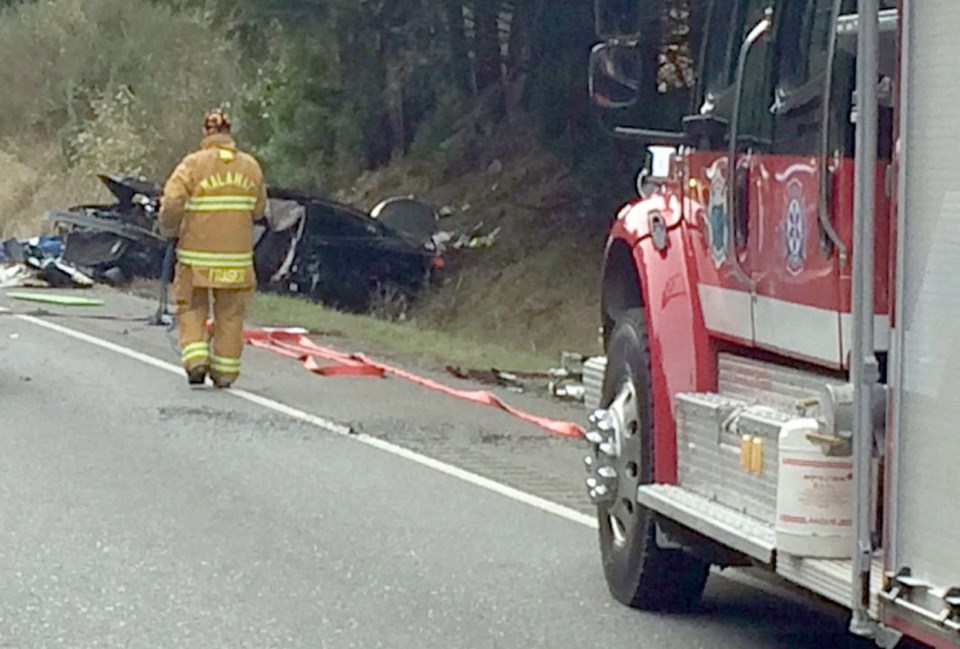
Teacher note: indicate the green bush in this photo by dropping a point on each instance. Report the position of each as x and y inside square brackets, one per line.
[100, 86]
[101, 77]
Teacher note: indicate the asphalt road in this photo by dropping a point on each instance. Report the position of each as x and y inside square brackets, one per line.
[138, 513]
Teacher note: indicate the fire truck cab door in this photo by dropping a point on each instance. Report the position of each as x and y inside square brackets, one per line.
[722, 196]
[798, 305]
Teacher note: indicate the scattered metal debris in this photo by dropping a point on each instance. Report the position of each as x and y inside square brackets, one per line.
[568, 378]
[570, 391]
[470, 240]
[508, 380]
[478, 241]
[565, 382]
[18, 275]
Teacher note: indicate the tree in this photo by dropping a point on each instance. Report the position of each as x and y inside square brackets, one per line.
[459, 48]
[487, 42]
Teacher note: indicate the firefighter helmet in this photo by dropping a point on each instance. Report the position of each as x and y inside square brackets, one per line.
[216, 120]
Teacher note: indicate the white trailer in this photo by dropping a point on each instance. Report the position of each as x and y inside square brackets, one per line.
[922, 597]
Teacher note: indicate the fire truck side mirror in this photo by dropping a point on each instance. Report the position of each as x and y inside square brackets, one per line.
[614, 77]
[658, 168]
[618, 19]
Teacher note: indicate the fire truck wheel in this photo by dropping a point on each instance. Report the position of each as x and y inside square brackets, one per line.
[638, 571]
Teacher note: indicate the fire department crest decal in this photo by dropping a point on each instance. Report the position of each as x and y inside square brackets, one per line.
[716, 215]
[794, 228]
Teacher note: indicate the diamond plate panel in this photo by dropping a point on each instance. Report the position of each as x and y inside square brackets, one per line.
[699, 420]
[754, 494]
[709, 428]
[594, 370]
[767, 384]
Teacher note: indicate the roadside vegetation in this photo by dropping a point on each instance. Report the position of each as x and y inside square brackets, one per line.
[478, 106]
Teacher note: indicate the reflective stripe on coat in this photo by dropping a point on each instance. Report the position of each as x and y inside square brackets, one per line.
[210, 203]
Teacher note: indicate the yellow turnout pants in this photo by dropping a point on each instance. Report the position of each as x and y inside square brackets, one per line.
[193, 308]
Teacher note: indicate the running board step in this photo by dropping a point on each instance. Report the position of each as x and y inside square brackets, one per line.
[832, 578]
[829, 578]
[740, 532]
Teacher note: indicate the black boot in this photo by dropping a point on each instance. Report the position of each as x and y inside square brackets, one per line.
[197, 375]
[220, 381]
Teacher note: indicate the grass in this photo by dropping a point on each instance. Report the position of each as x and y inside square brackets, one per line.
[34, 180]
[432, 346]
[416, 344]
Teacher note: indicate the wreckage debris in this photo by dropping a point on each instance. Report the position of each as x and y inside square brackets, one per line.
[344, 257]
[309, 246]
[18, 275]
[119, 242]
[59, 300]
[37, 263]
[471, 240]
[506, 380]
[565, 382]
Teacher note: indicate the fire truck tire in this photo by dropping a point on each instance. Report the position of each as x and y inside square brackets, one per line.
[639, 573]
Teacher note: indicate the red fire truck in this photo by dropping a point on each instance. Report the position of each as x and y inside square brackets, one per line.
[781, 314]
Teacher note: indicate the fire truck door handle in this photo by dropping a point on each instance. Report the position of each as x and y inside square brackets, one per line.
[742, 189]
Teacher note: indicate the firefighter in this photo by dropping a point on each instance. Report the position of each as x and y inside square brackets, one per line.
[210, 203]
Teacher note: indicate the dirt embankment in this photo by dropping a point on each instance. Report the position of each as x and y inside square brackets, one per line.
[536, 287]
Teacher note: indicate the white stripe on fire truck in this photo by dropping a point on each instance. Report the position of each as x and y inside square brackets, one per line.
[808, 330]
[813, 332]
[726, 311]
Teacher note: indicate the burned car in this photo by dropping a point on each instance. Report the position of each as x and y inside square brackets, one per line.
[307, 245]
[344, 257]
[114, 243]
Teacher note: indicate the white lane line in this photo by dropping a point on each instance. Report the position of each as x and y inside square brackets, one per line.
[333, 427]
[448, 469]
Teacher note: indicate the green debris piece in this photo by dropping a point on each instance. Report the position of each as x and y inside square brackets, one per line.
[51, 298]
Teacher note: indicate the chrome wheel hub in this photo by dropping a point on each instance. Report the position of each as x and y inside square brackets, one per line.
[613, 465]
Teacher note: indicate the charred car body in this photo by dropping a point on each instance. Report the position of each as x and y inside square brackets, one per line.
[114, 243]
[310, 246]
[344, 257]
